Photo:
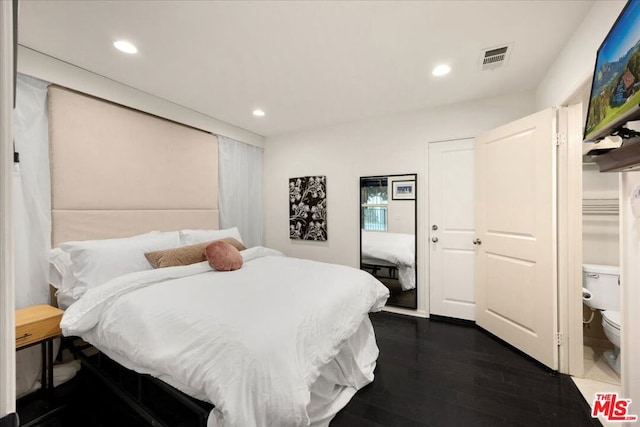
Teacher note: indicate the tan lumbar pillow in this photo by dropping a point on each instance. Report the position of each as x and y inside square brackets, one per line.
[186, 255]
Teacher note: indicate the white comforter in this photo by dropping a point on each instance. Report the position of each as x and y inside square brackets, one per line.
[398, 249]
[252, 341]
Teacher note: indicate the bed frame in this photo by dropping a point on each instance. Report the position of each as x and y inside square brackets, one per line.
[375, 268]
[136, 390]
[118, 172]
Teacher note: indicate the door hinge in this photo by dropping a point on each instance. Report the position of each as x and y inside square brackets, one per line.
[559, 138]
[558, 339]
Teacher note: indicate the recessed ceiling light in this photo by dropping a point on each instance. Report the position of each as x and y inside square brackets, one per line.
[125, 46]
[441, 70]
[258, 113]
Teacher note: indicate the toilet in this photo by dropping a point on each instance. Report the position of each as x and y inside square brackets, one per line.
[601, 291]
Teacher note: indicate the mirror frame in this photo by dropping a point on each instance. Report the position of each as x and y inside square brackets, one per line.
[390, 302]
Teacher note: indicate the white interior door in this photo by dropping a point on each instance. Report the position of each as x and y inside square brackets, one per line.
[516, 258]
[7, 286]
[452, 217]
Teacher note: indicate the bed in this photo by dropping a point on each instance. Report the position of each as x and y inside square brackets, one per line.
[280, 341]
[391, 250]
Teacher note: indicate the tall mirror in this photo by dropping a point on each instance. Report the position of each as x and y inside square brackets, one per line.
[388, 234]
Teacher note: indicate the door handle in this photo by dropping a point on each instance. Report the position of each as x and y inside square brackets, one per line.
[477, 241]
[434, 239]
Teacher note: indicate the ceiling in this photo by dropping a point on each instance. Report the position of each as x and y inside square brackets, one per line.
[306, 64]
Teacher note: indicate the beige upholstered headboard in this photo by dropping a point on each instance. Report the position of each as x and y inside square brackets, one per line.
[117, 172]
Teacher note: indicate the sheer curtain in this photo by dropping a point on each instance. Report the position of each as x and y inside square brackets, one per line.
[32, 213]
[240, 188]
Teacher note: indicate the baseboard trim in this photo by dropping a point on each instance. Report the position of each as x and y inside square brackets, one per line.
[453, 320]
[10, 420]
[406, 311]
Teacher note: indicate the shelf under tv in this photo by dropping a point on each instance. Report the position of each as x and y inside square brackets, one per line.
[623, 159]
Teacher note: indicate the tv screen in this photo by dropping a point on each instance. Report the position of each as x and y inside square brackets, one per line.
[615, 92]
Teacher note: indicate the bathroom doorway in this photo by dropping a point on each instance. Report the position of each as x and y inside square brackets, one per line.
[600, 247]
[589, 224]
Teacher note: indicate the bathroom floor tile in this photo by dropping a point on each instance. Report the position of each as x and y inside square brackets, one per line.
[589, 388]
[589, 353]
[596, 367]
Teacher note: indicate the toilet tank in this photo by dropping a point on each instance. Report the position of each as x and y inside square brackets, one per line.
[602, 282]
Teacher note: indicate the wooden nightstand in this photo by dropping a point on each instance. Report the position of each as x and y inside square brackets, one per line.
[39, 324]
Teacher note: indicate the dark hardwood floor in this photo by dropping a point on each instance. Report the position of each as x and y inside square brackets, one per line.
[429, 373]
[434, 373]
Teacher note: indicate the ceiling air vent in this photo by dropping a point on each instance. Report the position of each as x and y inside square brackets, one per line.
[494, 57]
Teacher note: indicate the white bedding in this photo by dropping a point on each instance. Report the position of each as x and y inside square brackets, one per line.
[258, 342]
[397, 249]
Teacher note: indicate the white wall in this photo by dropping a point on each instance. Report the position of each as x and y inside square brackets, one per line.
[575, 63]
[600, 239]
[64, 74]
[600, 233]
[389, 145]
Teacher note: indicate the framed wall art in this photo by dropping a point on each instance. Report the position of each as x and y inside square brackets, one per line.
[308, 208]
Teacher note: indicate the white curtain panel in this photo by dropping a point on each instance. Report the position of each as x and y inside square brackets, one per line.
[32, 213]
[240, 188]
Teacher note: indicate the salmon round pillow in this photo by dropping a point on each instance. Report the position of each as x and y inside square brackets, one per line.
[223, 256]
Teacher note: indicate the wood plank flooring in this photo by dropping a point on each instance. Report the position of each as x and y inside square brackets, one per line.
[433, 373]
[429, 373]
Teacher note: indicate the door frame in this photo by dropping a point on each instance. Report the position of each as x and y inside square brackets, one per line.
[7, 286]
[569, 141]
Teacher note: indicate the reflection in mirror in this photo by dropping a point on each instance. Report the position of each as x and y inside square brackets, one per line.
[388, 234]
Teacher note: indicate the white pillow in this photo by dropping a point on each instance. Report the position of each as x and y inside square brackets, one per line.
[193, 237]
[60, 271]
[95, 262]
[61, 277]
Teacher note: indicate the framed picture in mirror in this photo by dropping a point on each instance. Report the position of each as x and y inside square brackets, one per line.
[403, 190]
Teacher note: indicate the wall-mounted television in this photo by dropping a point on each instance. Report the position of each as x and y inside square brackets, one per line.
[615, 90]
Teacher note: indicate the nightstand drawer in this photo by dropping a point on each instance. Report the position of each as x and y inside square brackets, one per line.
[37, 323]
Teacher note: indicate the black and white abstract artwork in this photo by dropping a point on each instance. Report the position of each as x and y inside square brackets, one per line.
[308, 208]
